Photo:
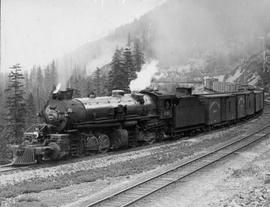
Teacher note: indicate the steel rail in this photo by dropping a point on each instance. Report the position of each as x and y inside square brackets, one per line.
[108, 199]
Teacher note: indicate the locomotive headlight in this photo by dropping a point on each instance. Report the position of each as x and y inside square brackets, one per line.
[51, 114]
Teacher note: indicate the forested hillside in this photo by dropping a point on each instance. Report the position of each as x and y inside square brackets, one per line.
[219, 33]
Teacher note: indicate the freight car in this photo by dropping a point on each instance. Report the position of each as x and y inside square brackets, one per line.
[79, 126]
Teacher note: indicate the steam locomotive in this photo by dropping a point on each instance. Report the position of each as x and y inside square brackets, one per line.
[79, 126]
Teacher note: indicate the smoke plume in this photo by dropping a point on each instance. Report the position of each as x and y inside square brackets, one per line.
[144, 77]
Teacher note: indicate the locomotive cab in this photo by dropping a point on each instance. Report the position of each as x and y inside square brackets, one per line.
[165, 107]
[163, 102]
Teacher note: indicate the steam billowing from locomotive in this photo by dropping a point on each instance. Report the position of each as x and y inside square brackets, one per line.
[145, 76]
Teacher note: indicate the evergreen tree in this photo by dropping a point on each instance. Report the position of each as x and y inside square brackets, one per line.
[53, 71]
[27, 81]
[76, 82]
[31, 117]
[128, 65]
[47, 80]
[39, 89]
[118, 76]
[98, 82]
[138, 56]
[5, 153]
[33, 78]
[89, 87]
[15, 104]
[50, 78]
[40, 79]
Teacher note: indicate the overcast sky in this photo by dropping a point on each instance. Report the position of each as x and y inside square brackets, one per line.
[35, 31]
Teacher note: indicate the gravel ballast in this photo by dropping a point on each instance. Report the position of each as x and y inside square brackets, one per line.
[70, 182]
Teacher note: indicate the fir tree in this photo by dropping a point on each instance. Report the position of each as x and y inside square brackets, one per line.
[33, 78]
[138, 56]
[118, 76]
[31, 117]
[98, 82]
[5, 153]
[39, 89]
[128, 65]
[15, 104]
[47, 80]
[53, 71]
[75, 82]
[50, 78]
[40, 79]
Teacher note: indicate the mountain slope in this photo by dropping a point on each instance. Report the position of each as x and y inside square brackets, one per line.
[179, 30]
[250, 71]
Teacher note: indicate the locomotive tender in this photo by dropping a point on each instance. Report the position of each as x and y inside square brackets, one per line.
[79, 126]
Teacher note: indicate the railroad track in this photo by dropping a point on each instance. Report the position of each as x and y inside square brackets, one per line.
[147, 187]
[8, 168]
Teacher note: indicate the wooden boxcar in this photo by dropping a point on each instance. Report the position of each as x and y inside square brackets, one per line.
[188, 113]
[212, 104]
[228, 111]
[259, 99]
[219, 108]
[240, 105]
[250, 106]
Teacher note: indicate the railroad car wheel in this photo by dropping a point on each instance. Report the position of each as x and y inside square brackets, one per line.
[54, 153]
[150, 138]
[151, 141]
[146, 137]
[160, 135]
[104, 143]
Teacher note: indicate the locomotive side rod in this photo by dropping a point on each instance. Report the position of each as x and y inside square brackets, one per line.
[145, 188]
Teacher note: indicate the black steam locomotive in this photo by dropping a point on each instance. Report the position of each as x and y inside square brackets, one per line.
[79, 126]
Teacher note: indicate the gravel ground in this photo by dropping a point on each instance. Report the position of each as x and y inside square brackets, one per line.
[74, 181]
[241, 181]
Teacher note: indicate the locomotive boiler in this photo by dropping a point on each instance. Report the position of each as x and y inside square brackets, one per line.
[78, 126]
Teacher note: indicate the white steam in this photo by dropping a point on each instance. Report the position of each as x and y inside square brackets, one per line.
[144, 77]
[57, 88]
